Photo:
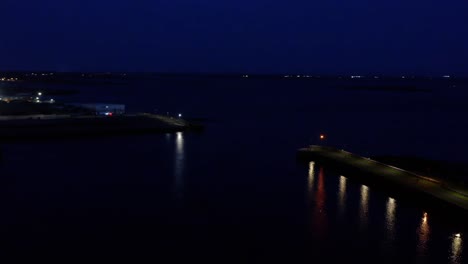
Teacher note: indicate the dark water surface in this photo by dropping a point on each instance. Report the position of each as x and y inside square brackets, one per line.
[235, 192]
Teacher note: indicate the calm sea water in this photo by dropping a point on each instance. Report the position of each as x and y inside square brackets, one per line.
[235, 192]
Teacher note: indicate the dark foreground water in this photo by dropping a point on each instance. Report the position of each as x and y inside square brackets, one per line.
[235, 192]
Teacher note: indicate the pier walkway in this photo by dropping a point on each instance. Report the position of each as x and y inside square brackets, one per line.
[454, 195]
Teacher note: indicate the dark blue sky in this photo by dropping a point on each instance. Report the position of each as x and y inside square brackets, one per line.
[258, 36]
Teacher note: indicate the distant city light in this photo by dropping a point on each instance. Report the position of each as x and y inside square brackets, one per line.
[458, 235]
[322, 136]
[8, 79]
[39, 93]
[180, 115]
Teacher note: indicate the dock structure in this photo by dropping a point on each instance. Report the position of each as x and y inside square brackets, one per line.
[60, 126]
[448, 194]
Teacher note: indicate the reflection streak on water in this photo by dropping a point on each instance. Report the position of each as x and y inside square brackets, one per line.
[316, 195]
[390, 215]
[310, 179]
[423, 235]
[321, 220]
[364, 205]
[179, 164]
[390, 218]
[317, 200]
[320, 194]
[342, 195]
[456, 250]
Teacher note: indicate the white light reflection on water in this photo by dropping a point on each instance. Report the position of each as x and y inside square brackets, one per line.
[456, 249]
[310, 179]
[179, 165]
[342, 196]
[364, 206]
[390, 218]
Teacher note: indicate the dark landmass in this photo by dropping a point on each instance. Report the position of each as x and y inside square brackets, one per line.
[59, 127]
[18, 108]
[75, 81]
[14, 90]
[117, 77]
[454, 172]
[387, 88]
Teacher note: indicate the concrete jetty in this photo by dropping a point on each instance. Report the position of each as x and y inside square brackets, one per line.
[447, 194]
[60, 126]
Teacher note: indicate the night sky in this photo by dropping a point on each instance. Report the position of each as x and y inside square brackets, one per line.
[251, 36]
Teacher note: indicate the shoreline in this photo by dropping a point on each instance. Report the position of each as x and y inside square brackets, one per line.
[58, 127]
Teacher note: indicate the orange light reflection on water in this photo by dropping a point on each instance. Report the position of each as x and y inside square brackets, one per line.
[424, 232]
